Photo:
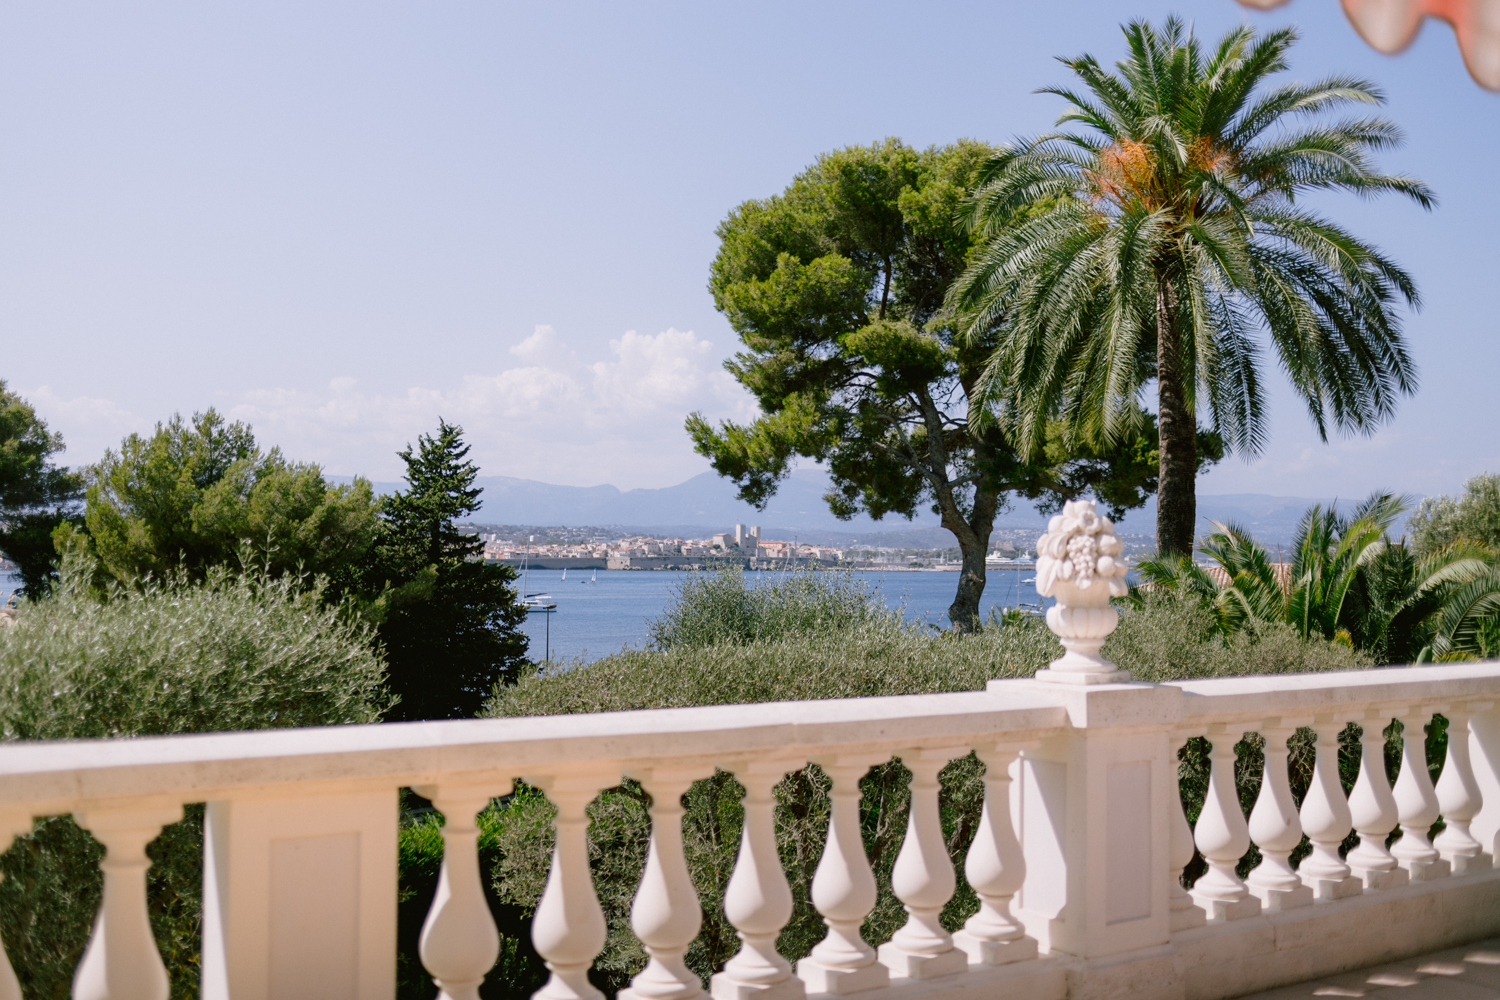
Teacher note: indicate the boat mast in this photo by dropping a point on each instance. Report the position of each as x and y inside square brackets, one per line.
[525, 568]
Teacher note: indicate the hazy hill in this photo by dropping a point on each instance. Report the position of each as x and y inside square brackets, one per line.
[707, 503]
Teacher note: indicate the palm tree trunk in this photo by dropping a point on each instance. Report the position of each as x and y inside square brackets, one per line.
[1176, 497]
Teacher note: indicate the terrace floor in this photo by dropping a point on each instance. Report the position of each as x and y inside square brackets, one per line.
[1471, 972]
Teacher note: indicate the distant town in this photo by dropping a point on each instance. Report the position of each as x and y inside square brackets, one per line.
[743, 545]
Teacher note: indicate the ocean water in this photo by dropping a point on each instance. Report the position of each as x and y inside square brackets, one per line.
[595, 620]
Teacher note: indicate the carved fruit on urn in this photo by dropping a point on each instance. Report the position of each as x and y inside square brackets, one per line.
[1081, 562]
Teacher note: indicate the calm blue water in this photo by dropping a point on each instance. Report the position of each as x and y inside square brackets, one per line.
[596, 620]
[592, 621]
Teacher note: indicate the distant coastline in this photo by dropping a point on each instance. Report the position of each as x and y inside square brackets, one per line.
[707, 502]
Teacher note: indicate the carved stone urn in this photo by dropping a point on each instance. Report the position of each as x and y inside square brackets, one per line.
[1079, 562]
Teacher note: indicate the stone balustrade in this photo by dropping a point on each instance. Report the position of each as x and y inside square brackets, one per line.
[1076, 861]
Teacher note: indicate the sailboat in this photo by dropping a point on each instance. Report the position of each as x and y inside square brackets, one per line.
[565, 575]
[594, 579]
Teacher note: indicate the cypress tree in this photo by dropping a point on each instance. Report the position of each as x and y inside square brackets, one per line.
[451, 627]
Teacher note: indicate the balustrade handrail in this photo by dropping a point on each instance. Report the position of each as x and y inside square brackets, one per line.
[53, 775]
[50, 776]
[1248, 699]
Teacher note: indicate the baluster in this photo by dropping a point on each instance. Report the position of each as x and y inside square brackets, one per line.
[1484, 758]
[1184, 913]
[568, 927]
[665, 914]
[1276, 828]
[12, 825]
[758, 901]
[1416, 802]
[923, 878]
[843, 890]
[10, 986]
[1372, 808]
[1223, 838]
[996, 868]
[1459, 797]
[121, 961]
[1327, 821]
[459, 941]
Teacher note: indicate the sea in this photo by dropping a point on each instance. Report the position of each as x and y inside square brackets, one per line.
[595, 619]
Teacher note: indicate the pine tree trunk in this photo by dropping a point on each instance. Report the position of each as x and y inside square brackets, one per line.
[972, 532]
[1176, 497]
[964, 611]
[973, 536]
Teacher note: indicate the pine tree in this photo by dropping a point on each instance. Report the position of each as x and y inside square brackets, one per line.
[35, 494]
[451, 630]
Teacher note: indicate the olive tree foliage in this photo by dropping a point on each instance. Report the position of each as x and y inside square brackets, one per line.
[723, 608]
[194, 493]
[171, 655]
[836, 288]
[36, 495]
[1472, 516]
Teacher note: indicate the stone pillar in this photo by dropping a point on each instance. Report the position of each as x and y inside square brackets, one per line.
[298, 897]
[758, 901]
[121, 961]
[1094, 809]
[996, 869]
[1372, 809]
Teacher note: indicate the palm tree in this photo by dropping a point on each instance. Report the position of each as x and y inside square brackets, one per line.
[1159, 240]
[1347, 581]
[1313, 593]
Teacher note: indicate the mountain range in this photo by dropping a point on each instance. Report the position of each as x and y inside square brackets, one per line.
[707, 503]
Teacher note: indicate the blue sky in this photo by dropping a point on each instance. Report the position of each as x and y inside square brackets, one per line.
[338, 221]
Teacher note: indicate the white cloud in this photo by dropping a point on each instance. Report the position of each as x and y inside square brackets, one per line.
[89, 425]
[553, 417]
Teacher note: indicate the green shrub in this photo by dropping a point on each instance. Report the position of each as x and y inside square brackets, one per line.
[876, 659]
[1174, 636]
[726, 608]
[169, 656]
